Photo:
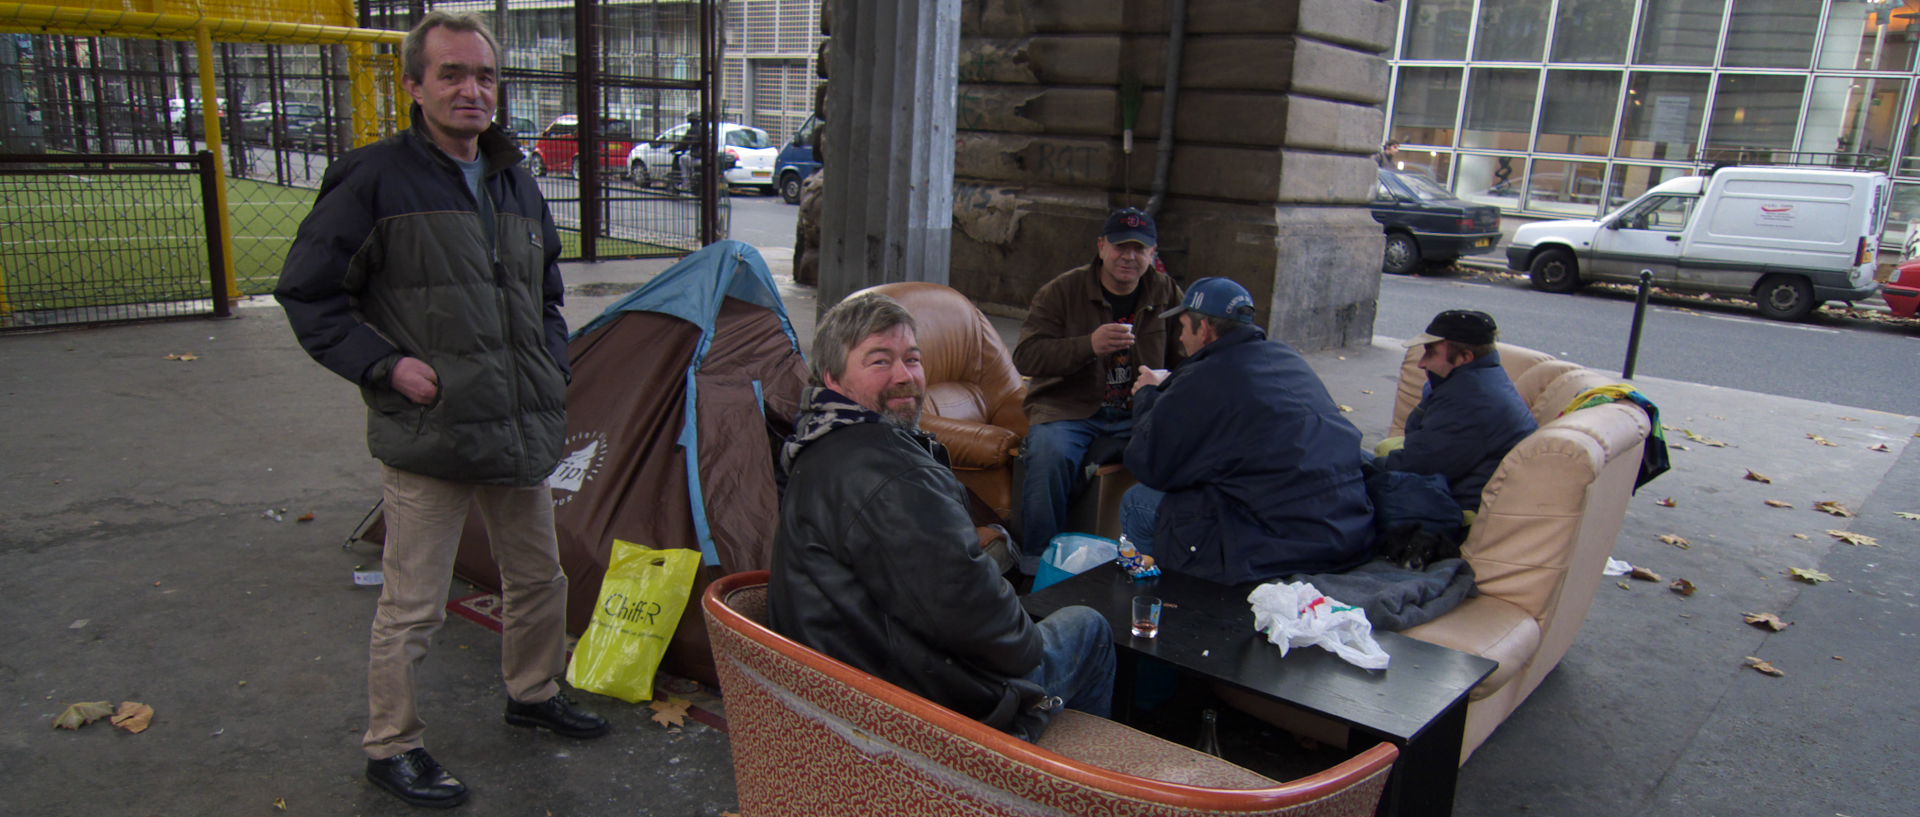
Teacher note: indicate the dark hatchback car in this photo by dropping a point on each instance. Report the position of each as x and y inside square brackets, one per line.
[1426, 224]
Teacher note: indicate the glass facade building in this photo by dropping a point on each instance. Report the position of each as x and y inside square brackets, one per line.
[1568, 108]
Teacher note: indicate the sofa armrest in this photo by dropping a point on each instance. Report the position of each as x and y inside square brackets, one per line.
[971, 444]
[1540, 504]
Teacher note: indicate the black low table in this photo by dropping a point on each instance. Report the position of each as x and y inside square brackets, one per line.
[1418, 703]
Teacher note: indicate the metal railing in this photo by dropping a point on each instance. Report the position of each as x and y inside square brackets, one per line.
[106, 238]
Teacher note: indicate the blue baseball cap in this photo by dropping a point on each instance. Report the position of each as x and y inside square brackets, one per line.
[1130, 224]
[1222, 298]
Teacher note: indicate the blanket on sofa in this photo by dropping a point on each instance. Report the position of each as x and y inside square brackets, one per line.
[1395, 597]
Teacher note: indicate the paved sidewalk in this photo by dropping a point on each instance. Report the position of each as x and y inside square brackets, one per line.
[136, 564]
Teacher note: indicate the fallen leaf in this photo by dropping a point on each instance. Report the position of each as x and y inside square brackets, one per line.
[670, 712]
[1624, 585]
[1665, 502]
[1819, 440]
[1851, 419]
[1345, 409]
[1809, 575]
[1768, 620]
[1366, 391]
[133, 716]
[1837, 658]
[1756, 476]
[1779, 503]
[1699, 439]
[1645, 575]
[280, 803]
[1881, 447]
[305, 517]
[1675, 541]
[1906, 514]
[1800, 536]
[1682, 586]
[183, 357]
[83, 713]
[1678, 447]
[1832, 507]
[1764, 667]
[1852, 538]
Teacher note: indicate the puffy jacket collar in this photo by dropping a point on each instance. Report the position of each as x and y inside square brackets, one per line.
[1491, 361]
[500, 151]
[823, 411]
[1234, 337]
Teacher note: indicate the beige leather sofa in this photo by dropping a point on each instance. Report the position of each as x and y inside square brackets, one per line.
[1547, 523]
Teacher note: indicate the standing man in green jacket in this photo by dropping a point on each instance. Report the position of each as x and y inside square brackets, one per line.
[427, 275]
[1085, 338]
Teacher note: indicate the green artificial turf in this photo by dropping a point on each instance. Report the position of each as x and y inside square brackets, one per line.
[72, 241]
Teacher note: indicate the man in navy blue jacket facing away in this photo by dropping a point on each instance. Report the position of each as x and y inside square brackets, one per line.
[1247, 469]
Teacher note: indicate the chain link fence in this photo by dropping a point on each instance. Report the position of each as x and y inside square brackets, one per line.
[285, 111]
[85, 240]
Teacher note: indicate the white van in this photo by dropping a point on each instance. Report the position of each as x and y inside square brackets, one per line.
[1790, 238]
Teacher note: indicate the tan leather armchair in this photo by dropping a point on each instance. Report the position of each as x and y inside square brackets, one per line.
[974, 393]
[814, 736]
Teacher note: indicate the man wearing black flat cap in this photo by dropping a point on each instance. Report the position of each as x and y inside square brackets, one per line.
[1469, 414]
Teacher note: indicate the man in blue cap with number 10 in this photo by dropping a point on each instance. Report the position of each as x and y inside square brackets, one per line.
[1248, 471]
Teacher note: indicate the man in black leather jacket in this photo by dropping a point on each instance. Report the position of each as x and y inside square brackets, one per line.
[876, 561]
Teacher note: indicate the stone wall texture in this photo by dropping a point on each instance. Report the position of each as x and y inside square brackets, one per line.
[1276, 119]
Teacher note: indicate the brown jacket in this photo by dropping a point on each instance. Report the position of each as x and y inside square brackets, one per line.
[1056, 350]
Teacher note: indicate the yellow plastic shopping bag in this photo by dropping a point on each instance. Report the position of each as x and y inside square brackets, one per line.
[641, 601]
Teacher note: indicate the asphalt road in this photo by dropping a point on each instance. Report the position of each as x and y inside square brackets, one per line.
[1850, 362]
[1832, 359]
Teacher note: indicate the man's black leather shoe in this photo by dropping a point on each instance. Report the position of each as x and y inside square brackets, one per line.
[414, 776]
[558, 715]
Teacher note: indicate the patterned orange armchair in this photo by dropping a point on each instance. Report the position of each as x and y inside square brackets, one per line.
[813, 736]
[974, 393]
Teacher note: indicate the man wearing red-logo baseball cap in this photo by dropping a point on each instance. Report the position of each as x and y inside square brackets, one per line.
[1088, 332]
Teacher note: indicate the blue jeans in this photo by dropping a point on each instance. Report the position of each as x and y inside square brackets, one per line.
[1054, 472]
[1139, 507]
[1077, 662]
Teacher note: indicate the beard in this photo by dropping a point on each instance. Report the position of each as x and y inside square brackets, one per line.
[904, 417]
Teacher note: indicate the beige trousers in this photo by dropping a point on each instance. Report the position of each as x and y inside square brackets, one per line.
[424, 518]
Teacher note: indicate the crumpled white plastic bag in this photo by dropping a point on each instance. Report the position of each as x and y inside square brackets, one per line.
[1298, 615]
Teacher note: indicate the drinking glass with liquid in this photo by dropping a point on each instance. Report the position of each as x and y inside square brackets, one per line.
[1146, 616]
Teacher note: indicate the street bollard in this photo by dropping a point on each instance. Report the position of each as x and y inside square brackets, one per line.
[1639, 318]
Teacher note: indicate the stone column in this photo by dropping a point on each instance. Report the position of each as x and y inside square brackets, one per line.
[888, 213]
[1279, 114]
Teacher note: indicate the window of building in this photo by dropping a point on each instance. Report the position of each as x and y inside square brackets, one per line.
[1629, 182]
[1852, 117]
[1490, 179]
[1662, 115]
[1870, 36]
[1432, 164]
[1436, 30]
[1577, 111]
[1512, 30]
[1753, 113]
[1500, 108]
[1425, 104]
[1771, 34]
[1902, 211]
[1679, 32]
[1592, 30]
[1572, 188]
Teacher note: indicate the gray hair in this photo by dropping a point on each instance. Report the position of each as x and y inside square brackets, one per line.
[413, 51]
[849, 322]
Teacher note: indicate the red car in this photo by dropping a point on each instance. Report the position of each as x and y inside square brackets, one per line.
[558, 147]
[1902, 291]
